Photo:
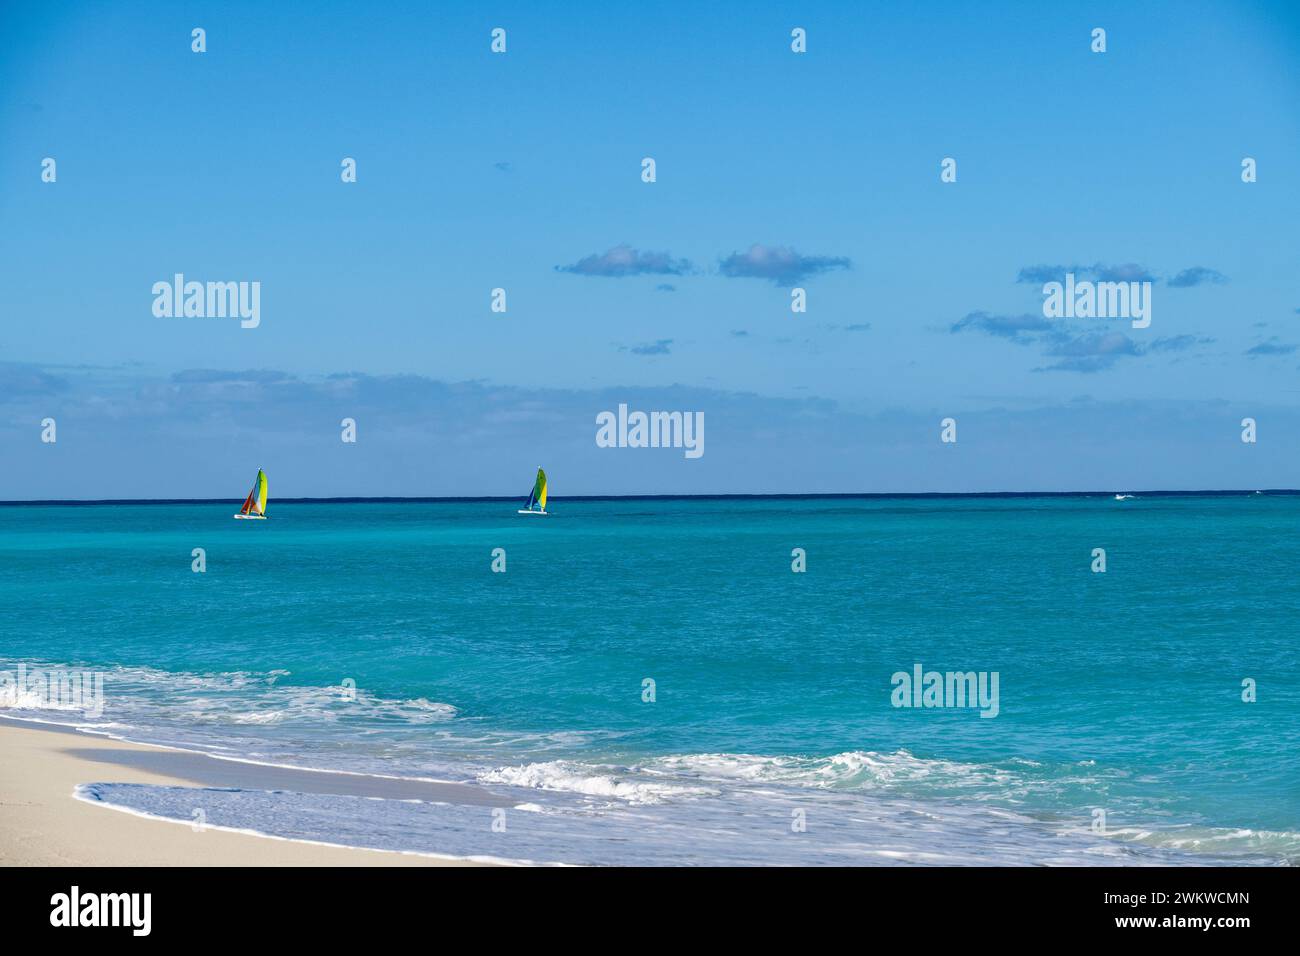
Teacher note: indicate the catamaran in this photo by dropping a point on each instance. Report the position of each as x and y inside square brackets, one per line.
[537, 497]
[255, 503]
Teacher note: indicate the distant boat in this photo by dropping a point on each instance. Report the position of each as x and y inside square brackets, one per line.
[1122, 497]
[537, 497]
[255, 503]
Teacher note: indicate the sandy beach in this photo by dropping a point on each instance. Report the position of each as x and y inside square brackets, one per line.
[42, 824]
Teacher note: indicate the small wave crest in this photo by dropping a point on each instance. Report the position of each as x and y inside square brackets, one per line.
[703, 775]
[230, 697]
[854, 769]
[1219, 842]
[13, 697]
[573, 777]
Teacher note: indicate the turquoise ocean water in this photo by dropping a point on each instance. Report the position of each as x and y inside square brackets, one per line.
[771, 737]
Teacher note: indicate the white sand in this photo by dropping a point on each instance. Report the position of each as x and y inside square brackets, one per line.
[42, 824]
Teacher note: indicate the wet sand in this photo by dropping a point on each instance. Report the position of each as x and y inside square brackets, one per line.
[42, 824]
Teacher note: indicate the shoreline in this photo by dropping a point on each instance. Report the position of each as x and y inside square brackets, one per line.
[45, 821]
[52, 778]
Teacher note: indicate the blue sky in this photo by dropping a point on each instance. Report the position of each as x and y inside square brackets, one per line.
[522, 171]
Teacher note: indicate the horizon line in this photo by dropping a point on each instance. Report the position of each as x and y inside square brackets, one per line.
[719, 496]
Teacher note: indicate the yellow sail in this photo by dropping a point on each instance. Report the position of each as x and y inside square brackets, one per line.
[255, 503]
[537, 497]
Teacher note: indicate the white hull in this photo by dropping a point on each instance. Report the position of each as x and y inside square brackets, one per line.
[251, 517]
[532, 512]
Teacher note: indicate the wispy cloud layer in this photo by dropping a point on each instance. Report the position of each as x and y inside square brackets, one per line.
[203, 433]
[1197, 275]
[1005, 326]
[1177, 343]
[204, 376]
[1077, 349]
[1098, 272]
[1091, 352]
[779, 264]
[1271, 347]
[19, 380]
[622, 261]
[660, 347]
[1126, 272]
